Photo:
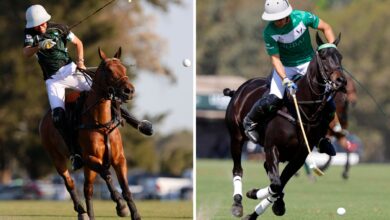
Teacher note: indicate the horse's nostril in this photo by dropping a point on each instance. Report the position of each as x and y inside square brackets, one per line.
[127, 91]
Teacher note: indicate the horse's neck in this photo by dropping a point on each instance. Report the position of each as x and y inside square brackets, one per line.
[311, 84]
[100, 108]
[311, 88]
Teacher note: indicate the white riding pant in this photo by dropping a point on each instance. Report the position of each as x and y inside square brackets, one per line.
[67, 77]
[277, 87]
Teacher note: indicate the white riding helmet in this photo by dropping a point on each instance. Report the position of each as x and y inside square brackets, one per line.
[36, 15]
[276, 9]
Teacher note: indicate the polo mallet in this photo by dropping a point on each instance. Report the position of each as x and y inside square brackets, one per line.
[311, 162]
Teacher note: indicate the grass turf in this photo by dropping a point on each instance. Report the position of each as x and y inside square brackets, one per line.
[365, 195]
[45, 210]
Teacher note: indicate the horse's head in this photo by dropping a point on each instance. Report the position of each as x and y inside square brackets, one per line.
[111, 79]
[329, 62]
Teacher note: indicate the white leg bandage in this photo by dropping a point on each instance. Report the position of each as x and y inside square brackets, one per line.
[237, 184]
[264, 193]
[264, 204]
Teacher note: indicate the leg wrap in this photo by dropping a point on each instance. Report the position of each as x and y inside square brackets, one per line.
[237, 184]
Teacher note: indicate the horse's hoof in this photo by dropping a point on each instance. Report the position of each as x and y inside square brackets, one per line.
[279, 207]
[237, 209]
[252, 216]
[345, 175]
[123, 211]
[251, 194]
[83, 216]
[136, 216]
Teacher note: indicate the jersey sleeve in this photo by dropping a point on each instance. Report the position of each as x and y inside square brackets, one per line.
[311, 20]
[271, 45]
[67, 34]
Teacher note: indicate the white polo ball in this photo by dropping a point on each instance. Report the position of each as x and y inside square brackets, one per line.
[341, 211]
[186, 62]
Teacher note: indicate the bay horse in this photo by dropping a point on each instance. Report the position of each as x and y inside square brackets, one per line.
[99, 138]
[343, 102]
[281, 136]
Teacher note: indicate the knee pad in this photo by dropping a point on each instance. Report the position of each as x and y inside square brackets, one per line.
[58, 115]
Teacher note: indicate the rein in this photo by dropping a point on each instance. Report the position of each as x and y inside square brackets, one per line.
[116, 119]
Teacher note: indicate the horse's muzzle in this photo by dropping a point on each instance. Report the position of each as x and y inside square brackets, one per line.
[126, 94]
[340, 84]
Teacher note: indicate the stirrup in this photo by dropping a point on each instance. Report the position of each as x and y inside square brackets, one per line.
[250, 129]
[76, 161]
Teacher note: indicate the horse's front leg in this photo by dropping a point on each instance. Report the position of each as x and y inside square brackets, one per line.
[291, 168]
[70, 187]
[89, 176]
[121, 172]
[121, 207]
[269, 194]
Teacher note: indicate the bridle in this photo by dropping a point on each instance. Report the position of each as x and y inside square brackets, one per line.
[112, 89]
[112, 93]
[330, 87]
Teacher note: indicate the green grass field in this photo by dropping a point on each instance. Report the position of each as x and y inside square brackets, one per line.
[45, 210]
[366, 195]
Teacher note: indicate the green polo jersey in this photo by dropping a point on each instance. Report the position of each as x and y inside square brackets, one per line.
[51, 60]
[292, 42]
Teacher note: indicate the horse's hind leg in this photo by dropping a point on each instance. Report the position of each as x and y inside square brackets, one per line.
[121, 172]
[236, 151]
[60, 164]
[346, 167]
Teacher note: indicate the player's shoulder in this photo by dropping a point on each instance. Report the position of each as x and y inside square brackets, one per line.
[58, 26]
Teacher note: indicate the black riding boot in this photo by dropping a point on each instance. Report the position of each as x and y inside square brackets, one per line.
[260, 110]
[59, 120]
[325, 145]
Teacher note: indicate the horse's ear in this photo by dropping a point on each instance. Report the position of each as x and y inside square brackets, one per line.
[318, 39]
[337, 41]
[118, 53]
[102, 54]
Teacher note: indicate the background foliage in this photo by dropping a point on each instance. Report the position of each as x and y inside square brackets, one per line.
[23, 97]
[229, 42]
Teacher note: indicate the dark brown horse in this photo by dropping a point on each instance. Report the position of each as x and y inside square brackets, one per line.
[99, 138]
[281, 137]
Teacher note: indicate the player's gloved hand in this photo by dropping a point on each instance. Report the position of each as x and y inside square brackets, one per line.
[46, 44]
[290, 85]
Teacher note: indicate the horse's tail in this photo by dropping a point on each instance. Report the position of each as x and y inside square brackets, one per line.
[228, 92]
